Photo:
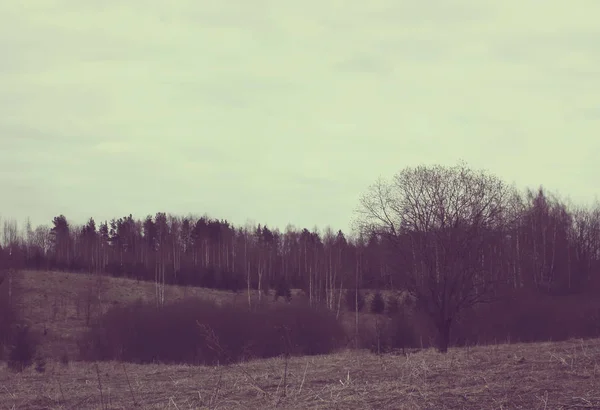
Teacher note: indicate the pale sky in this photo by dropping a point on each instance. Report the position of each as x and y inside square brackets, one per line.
[285, 111]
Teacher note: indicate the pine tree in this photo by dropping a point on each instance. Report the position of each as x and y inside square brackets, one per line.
[378, 303]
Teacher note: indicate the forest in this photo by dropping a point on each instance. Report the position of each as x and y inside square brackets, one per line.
[550, 245]
[451, 237]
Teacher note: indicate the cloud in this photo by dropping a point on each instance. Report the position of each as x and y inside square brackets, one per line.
[116, 148]
[287, 110]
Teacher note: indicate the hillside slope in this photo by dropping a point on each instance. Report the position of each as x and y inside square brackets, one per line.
[58, 304]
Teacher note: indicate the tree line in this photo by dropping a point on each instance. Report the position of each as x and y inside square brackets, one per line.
[192, 251]
[451, 236]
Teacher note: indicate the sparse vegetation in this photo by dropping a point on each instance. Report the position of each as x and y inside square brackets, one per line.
[89, 300]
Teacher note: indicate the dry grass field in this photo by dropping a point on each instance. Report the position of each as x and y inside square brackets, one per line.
[561, 375]
[536, 376]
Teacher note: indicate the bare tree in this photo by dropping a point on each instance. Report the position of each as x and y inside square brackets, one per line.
[440, 226]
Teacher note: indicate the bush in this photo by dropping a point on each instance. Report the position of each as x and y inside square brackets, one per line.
[23, 349]
[354, 301]
[527, 316]
[200, 332]
[377, 304]
[8, 319]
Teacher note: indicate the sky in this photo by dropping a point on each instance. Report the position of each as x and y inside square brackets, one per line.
[280, 111]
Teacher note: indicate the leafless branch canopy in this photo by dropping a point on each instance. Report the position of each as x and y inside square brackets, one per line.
[444, 227]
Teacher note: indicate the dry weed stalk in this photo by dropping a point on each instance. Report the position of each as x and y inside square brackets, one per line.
[12, 395]
[135, 403]
[303, 378]
[212, 341]
[100, 387]
[215, 396]
[62, 394]
[173, 401]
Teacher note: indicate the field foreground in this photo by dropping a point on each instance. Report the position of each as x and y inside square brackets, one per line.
[521, 376]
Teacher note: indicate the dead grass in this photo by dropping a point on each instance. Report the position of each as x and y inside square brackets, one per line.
[536, 376]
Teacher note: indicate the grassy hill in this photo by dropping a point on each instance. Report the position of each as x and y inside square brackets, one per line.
[59, 304]
[542, 375]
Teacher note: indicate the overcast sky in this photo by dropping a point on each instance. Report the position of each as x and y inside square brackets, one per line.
[285, 111]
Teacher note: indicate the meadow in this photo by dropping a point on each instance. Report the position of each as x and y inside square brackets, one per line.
[57, 305]
[561, 375]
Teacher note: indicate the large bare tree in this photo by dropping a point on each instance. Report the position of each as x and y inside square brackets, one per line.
[442, 227]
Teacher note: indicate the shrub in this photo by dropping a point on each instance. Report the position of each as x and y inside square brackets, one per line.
[354, 300]
[15, 338]
[377, 303]
[23, 349]
[527, 316]
[200, 332]
[8, 320]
